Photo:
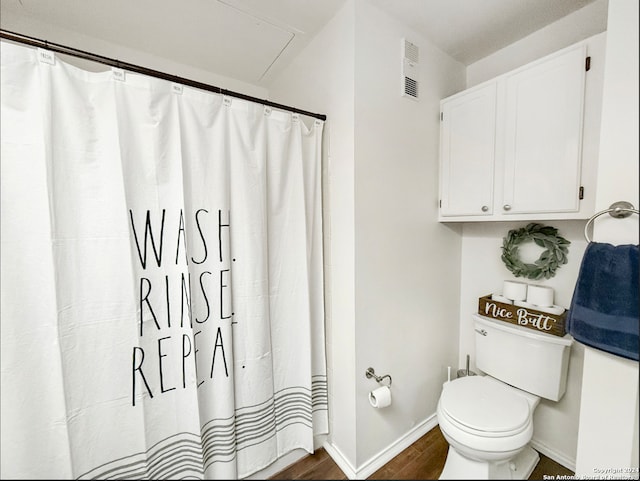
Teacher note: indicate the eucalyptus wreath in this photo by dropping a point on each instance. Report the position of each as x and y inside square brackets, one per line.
[554, 255]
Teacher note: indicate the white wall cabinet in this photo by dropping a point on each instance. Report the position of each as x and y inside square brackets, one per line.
[467, 143]
[511, 148]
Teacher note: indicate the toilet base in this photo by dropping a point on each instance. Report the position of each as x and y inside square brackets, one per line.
[521, 466]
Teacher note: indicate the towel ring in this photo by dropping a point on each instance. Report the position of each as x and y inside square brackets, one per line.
[619, 210]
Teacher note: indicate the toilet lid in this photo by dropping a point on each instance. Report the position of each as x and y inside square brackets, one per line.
[482, 404]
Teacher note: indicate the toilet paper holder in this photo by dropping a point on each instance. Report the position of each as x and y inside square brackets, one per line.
[370, 373]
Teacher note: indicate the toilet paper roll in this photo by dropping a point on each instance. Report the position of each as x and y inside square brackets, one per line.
[525, 304]
[381, 397]
[541, 296]
[516, 291]
[502, 299]
[557, 310]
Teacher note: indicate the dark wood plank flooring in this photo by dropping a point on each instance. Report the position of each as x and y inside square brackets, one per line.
[424, 459]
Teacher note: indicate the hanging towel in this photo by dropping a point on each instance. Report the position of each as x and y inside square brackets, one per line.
[604, 307]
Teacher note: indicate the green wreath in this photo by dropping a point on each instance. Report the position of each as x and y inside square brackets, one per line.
[554, 255]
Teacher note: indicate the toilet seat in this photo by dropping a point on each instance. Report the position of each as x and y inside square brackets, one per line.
[482, 406]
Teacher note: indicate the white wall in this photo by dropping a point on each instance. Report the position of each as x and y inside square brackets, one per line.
[387, 250]
[579, 25]
[618, 175]
[608, 432]
[407, 264]
[555, 424]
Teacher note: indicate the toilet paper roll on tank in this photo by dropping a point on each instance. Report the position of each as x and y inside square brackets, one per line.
[530, 296]
[516, 291]
[525, 304]
[540, 295]
[551, 309]
[499, 298]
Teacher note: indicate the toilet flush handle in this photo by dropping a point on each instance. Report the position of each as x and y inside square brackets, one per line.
[481, 331]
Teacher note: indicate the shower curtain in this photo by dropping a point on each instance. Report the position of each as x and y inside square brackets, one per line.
[162, 297]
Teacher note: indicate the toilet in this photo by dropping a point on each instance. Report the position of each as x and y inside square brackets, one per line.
[488, 419]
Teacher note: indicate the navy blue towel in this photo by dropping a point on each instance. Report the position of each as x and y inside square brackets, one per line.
[604, 307]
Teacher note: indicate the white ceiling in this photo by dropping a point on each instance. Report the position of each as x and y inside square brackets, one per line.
[252, 40]
[469, 30]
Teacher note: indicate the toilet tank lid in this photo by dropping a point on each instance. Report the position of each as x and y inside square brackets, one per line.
[565, 340]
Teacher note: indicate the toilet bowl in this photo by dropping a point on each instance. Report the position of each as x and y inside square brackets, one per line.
[488, 419]
[487, 424]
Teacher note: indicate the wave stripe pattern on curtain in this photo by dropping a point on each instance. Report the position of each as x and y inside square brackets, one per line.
[162, 303]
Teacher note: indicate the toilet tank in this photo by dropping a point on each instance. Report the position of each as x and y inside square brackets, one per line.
[535, 362]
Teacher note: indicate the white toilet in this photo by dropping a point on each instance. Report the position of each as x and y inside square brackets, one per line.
[488, 420]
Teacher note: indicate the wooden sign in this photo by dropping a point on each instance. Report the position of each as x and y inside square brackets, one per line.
[523, 316]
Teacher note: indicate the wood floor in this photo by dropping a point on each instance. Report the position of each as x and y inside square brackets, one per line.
[424, 459]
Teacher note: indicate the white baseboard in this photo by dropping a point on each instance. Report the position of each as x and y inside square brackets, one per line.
[340, 459]
[384, 456]
[554, 454]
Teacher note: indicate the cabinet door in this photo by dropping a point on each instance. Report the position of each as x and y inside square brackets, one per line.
[543, 135]
[467, 143]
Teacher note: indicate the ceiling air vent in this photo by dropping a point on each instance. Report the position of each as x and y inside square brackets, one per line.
[410, 70]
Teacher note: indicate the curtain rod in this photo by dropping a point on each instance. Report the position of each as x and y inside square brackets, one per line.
[36, 42]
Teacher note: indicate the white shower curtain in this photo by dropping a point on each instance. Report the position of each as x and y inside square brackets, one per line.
[162, 298]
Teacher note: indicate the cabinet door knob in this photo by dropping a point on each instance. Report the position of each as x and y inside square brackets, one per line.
[506, 207]
[485, 208]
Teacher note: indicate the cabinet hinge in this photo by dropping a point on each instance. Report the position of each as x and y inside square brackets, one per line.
[581, 193]
[587, 63]
[441, 116]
